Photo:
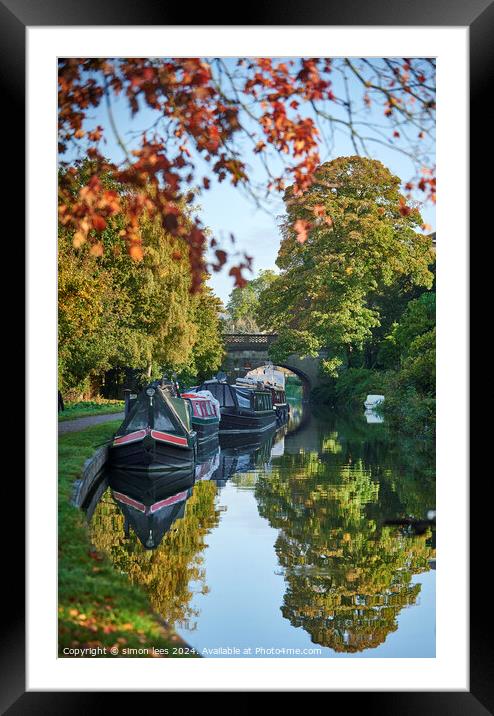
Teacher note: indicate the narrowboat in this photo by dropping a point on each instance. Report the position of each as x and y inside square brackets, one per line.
[151, 513]
[157, 433]
[273, 380]
[205, 414]
[242, 408]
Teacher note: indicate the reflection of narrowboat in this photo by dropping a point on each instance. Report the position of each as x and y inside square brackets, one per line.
[205, 414]
[157, 433]
[240, 454]
[242, 409]
[206, 468]
[151, 513]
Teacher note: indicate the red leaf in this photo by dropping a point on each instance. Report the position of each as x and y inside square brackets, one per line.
[170, 222]
[99, 223]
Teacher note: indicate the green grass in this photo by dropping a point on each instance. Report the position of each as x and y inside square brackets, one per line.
[90, 407]
[98, 606]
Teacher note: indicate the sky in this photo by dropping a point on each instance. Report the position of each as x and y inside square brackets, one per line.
[225, 210]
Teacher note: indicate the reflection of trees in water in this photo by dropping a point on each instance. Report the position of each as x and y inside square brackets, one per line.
[166, 572]
[347, 577]
[404, 467]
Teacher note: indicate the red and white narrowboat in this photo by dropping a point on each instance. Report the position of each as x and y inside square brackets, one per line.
[205, 414]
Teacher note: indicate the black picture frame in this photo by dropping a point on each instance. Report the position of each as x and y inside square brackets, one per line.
[15, 17]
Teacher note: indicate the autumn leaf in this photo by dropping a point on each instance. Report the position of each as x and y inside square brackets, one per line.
[96, 249]
[302, 227]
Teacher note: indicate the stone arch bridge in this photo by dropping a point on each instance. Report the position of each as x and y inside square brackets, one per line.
[245, 351]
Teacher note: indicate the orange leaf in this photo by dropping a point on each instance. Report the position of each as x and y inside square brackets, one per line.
[302, 227]
[136, 252]
[97, 249]
[99, 223]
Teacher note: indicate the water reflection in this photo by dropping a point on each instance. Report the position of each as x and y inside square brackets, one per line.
[166, 568]
[326, 488]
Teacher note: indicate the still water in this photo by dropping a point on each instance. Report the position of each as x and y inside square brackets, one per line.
[281, 547]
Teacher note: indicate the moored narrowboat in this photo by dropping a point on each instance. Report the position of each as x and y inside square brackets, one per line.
[272, 380]
[242, 408]
[205, 414]
[157, 434]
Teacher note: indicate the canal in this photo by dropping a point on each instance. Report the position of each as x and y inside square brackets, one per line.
[284, 547]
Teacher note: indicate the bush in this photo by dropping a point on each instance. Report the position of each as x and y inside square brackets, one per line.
[350, 388]
[410, 411]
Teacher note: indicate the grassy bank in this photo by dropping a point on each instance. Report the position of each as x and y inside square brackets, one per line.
[98, 607]
[90, 407]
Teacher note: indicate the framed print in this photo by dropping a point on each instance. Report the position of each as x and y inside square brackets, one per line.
[234, 284]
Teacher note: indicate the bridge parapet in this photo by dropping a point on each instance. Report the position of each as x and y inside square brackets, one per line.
[249, 341]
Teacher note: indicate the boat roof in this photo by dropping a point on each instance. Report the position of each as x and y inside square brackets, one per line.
[165, 406]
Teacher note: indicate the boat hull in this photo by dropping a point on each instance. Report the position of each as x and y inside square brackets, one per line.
[150, 456]
[206, 431]
[238, 422]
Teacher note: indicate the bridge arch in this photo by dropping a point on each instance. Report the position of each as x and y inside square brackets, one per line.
[304, 378]
[246, 351]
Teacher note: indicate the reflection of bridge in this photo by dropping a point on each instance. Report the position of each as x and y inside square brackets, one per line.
[251, 350]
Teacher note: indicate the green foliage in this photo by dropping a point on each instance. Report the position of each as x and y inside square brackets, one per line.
[208, 349]
[293, 388]
[359, 242]
[411, 348]
[411, 402]
[418, 367]
[244, 304]
[408, 410]
[418, 318]
[350, 388]
[115, 311]
[409, 352]
[293, 341]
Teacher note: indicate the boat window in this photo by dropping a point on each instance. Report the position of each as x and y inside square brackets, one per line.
[243, 397]
[183, 409]
[229, 400]
[161, 418]
[139, 418]
[263, 401]
[212, 388]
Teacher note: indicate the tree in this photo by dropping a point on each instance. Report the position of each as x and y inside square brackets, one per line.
[116, 312]
[418, 318]
[207, 111]
[243, 306]
[410, 350]
[363, 239]
[208, 349]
